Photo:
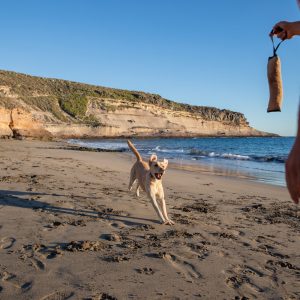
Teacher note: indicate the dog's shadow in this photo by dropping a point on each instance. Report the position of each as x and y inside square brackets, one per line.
[15, 198]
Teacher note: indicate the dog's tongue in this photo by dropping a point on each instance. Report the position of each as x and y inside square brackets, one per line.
[158, 175]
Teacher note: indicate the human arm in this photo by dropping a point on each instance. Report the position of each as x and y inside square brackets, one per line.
[292, 168]
[286, 30]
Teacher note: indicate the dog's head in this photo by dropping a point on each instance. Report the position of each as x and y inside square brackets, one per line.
[157, 168]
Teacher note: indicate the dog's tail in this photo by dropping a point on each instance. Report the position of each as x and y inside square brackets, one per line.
[133, 149]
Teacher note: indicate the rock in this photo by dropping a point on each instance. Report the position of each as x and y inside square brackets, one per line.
[22, 124]
[84, 246]
[111, 237]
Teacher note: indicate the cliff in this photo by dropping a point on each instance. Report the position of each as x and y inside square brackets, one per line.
[41, 107]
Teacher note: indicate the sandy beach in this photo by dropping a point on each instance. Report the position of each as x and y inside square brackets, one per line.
[69, 229]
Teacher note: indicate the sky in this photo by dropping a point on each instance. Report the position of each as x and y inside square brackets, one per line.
[201, 52]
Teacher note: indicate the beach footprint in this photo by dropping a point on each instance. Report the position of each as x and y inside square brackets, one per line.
[59, 295]
[38, 264]
[7, 242]
[182, 266]
[12, 279]
[26, 286]
[243, 275]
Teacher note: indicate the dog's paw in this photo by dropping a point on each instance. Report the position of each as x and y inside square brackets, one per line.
[169, 222]
[172, 222]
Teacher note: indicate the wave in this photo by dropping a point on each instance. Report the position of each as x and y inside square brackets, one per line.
[119, 146]
[235, 156]
[269, 158]
[168, 150]
[176, 152]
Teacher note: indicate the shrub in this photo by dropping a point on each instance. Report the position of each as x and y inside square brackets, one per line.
[75, 105]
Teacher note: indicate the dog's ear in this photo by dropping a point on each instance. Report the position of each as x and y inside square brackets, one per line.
[166, 162]
[152, 159]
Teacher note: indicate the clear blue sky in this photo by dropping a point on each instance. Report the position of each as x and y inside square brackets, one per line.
[201, 52]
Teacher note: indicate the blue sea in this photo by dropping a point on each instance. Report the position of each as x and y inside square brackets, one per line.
[260, 159]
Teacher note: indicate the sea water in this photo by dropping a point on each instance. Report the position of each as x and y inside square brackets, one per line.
[256, 158]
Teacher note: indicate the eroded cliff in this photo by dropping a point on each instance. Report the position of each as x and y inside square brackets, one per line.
[42, 107]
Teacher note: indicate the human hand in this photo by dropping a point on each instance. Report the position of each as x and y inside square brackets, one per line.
[285, 30]
[292, 171]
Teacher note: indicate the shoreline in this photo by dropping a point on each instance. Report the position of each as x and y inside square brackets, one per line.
[186, 164]
[69, 229]
[153, 136]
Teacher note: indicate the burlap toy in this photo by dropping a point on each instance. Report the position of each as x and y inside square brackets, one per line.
[275, 81]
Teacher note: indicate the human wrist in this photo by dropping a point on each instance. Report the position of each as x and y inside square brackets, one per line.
[294, 28]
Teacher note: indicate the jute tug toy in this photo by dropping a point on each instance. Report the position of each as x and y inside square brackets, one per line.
[274, 78]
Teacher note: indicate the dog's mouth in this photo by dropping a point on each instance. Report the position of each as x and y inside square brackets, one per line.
[158, 175]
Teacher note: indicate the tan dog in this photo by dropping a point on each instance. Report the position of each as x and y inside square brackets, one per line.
[148, 176]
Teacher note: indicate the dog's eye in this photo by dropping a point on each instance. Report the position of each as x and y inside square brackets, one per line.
[156, 165]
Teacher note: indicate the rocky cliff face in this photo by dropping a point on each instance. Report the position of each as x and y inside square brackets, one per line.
[41, 107]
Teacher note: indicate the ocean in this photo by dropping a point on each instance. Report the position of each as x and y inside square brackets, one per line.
[256, 158]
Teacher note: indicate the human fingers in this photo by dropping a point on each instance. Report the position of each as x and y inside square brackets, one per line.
[276, 29]
[282, 35]
[280, 26]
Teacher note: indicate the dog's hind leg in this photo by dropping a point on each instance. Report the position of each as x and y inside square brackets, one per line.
[137, 191]
[132, 179]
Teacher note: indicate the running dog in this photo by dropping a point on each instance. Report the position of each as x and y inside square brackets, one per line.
[148, 176]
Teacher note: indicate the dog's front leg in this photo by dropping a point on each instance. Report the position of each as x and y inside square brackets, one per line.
[164, 209]
[161, 197]
[152, 197]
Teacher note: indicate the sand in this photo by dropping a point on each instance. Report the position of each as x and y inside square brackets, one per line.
[69, 229]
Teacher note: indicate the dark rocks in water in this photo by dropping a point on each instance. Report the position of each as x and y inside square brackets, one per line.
[81, 148]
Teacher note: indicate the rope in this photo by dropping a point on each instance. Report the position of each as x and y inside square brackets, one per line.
[275, 48]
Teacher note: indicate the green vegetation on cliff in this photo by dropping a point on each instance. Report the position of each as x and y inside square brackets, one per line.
[74, 105]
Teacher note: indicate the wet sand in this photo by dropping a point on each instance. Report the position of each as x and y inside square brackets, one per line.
[69, 229]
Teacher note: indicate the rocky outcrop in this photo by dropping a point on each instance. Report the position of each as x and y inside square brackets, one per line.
[18, 123]
[5, 130]
[44, 108]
